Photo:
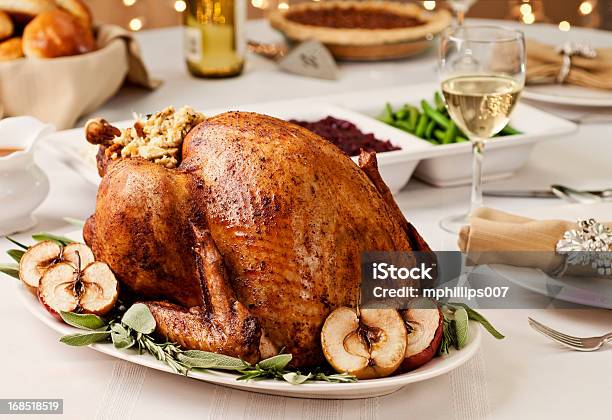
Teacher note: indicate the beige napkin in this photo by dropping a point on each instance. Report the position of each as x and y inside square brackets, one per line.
[544, 64]
[496, 237]
[60, 90]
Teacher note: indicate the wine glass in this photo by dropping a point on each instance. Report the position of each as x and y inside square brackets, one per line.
[460, 8]
[482, 72]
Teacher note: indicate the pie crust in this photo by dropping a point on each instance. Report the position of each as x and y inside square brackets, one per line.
[432, 23]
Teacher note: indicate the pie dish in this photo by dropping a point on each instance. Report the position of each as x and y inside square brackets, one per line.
[369, 30]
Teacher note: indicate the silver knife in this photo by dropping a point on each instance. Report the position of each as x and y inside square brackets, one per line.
[555, 191]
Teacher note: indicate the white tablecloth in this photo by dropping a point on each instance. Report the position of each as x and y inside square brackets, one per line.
[523, 376]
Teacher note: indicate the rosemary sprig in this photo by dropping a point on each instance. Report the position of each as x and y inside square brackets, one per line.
[164, 352]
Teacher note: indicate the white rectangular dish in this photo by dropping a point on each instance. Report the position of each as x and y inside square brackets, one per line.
[451, 164]
[396, 167]
[439, 165]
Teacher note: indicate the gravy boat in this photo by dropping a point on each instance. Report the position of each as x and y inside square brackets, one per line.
[23, 185]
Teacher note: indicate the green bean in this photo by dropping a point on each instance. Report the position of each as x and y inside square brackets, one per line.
[435, 115]
[421, 126]
[429, 130]
[439, 102]
[432, 123]
[439, 134]
[404, 125]
[387, 115]
[414, 116]
[509, 131]
[451, 134]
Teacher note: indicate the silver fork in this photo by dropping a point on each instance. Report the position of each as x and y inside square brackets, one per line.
[574, 343]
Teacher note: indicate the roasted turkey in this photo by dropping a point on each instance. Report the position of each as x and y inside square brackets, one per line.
[249, 244]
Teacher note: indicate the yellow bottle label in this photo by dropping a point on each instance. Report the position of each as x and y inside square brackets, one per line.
[213, 48]
[193, 44]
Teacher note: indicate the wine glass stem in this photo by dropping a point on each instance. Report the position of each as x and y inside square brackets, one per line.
[460, 17]
[478, 156]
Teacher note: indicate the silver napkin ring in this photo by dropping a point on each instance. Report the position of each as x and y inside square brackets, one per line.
[568, 50]
[590, 244]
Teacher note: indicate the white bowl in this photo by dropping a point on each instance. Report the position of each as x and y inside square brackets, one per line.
[23, 185]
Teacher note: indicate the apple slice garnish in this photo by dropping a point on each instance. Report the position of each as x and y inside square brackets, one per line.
[36, 261]
[38, 258]
[93, 290]
[424, 327]
[99, 290]
[368, 345]
[77, 254]
[57, 289]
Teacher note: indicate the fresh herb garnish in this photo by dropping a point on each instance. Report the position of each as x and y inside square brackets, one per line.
[10, 269]
[16, 254]
[135, 329]
[456, 326]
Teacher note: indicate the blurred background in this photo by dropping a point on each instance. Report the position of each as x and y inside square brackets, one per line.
[146, 14]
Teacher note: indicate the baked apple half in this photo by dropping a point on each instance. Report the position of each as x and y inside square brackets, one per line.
[424, 324]
[369, 343]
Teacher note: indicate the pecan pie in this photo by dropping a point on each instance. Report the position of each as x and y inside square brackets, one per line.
[359, 23]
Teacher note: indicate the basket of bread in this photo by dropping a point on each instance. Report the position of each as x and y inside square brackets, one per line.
[56, 65]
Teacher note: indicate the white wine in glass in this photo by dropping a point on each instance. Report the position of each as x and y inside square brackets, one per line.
[482, 72]
[481, 105]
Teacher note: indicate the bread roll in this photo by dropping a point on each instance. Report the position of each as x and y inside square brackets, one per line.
[77, 9]
[56, 34]
[6, 25]
[10, 49]
[26, 9]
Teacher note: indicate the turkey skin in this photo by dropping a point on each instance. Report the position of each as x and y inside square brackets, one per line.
[249, 244]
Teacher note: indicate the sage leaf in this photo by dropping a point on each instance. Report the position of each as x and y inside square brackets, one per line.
[85, 339]
[83, 321]
[121, 337]
[10, 269]
[461, 327]
[296, 378]
[139, 318]
[208, 360]
[277, 362]
[475, 316]
[336, 377]
[44, 236]
[19, 244]
[75, 222]
[15, 254]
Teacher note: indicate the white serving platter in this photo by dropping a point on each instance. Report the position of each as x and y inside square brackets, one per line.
[439, 165]
[361, 389]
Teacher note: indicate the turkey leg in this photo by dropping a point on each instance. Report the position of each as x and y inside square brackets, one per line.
[222, 324]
